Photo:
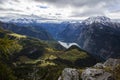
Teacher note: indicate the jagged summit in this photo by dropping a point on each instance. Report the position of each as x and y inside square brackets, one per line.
[97, 19]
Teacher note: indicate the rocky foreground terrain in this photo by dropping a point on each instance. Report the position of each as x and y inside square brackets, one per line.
[109, 70]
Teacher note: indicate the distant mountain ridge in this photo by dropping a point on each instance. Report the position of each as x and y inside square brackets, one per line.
[39, 33]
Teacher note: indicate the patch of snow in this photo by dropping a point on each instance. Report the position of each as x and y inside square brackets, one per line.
[97, 19]
[68, 45]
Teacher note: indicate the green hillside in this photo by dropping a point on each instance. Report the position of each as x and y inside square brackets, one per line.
[27, 58]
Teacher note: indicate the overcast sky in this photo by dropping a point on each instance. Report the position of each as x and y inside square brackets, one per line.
[61, 9]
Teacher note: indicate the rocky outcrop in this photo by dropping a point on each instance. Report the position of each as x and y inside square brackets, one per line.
[112, 63]
[69, 74]
[98, 71]
[96, 74]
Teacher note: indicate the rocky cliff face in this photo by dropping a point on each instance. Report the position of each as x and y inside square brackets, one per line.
[71, 32]
[54, 28]
[101, 39]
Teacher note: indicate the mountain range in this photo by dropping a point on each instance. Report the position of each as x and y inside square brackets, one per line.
[99, 35]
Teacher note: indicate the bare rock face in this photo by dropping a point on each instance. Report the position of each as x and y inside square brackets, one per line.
[112, 63]
[69, 74]
[99, 30]
[98, 71]
[96, 74]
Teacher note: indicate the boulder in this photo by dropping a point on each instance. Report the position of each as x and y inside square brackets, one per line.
[96, 74]
[69, 74]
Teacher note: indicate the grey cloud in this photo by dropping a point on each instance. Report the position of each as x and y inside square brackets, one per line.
[58, 14]
[9, 9]
[89, 11]
[115, 11]
[92, 6]
[95, 7]
[16, 1]
[86, 14]
[2, 1]
[5, 1]
[77, 3]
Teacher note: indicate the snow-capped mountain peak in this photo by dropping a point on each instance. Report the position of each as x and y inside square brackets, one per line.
[96, 19]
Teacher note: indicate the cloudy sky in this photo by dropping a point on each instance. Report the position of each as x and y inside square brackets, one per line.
[61, 9]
